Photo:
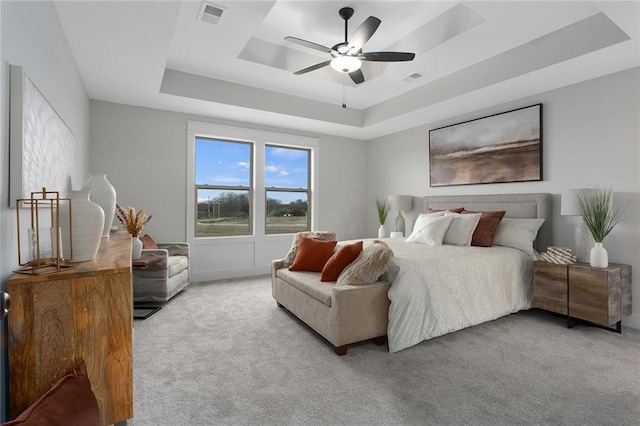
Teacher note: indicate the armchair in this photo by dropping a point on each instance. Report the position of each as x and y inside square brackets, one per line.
[160, 280]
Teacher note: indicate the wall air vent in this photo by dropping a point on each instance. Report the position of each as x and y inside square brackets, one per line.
[210, 13]
[412, 77]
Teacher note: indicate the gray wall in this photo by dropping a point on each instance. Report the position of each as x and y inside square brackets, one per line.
[591, 137]
[33, 38]
[144, 154]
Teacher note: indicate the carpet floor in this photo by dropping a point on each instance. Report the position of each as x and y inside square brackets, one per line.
[223, 353]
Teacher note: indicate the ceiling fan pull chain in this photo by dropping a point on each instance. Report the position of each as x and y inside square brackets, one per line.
[344, 92]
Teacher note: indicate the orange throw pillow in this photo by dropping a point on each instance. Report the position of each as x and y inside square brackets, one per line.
[312, 255]
[340, 260]
[486, 229]
[148, 242]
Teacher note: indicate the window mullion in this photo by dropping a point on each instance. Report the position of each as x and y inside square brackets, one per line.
[259, 193]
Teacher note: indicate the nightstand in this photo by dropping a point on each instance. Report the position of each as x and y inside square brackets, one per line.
[601, 296]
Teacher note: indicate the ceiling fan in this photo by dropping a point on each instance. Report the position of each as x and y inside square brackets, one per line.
[347, 56]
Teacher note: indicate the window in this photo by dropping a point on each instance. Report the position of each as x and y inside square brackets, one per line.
[250, 184]
[287, 189]
[223, 187]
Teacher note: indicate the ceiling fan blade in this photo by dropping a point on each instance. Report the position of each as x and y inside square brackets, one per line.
[310, 44]
[312, 68]
[387, 56]
[357, 76]
[363, 34]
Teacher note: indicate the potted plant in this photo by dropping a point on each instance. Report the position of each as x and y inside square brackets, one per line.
[383, 210]
[601, 213]
[134, 222]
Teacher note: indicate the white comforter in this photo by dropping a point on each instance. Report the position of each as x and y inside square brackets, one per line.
[437, 290]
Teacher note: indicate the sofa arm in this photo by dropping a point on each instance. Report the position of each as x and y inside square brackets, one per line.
[360, 311]
[275, 265]
[175, 249]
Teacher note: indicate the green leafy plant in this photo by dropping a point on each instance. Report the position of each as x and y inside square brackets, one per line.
[600, 212]
[383, 210]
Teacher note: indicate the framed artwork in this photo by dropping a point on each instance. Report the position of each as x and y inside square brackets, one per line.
[42, 148]
[505, 147]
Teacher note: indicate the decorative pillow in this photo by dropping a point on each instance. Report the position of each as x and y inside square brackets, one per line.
[70, 401]
[148, 242]
[489, 221]
[518, 233]
[456, 210]
[314, 235]
[372, 262]
[312, 254]
[461, 229]
[432, 233]
[340, 260]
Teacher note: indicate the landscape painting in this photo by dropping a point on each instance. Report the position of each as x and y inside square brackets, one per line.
[505, 147]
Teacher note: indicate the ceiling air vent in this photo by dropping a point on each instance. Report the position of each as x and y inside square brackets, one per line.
[210, 13]
[412, 77]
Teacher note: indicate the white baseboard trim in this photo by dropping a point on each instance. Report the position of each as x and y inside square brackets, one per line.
[632, 321]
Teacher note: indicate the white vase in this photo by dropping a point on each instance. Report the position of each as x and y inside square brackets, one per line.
[381, 232]
[598, 256]
[104, 195]
[87, 223]
[136, 247]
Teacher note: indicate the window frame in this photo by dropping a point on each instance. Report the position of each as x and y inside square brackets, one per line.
[307, 191]
[259, 139]
[249, 189]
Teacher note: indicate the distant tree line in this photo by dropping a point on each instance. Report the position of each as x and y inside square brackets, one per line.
[231, 204]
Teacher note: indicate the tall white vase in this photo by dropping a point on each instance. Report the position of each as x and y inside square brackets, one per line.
[104, 195]
[598, 256]
[136, 247]
[87, 222]
[381, 232]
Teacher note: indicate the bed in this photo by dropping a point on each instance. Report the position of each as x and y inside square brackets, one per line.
[438, 290]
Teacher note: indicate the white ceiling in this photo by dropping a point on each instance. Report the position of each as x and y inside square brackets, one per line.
[471, 54]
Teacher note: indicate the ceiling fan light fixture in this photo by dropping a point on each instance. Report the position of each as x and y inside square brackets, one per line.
[346, 64]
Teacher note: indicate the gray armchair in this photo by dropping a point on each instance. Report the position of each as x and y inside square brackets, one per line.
[163, 278]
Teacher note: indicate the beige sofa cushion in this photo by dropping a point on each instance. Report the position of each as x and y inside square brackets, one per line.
[309, 283]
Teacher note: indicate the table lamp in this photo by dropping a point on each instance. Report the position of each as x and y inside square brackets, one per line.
[400, 203]
[583, 238]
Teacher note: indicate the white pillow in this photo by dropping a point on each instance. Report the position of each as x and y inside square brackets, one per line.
[517, 233]
[422, 218]
[461, 229]
[432, 233]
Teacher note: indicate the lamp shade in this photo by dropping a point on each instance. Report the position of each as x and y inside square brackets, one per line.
[401, 203]
[568, 204]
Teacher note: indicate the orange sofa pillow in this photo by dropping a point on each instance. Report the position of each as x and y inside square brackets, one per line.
[340, 260]
[312, 255]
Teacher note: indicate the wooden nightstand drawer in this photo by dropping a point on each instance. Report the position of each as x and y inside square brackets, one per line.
[550, 287]
[599, 295]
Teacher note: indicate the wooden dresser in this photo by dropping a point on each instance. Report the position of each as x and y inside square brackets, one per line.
[85, 312]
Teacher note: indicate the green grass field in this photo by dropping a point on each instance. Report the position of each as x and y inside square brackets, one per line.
[233, 226]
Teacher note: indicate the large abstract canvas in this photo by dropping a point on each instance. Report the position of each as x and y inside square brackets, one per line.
[505, 147]
[42, 146]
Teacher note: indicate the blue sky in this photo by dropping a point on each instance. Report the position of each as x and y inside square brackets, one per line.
[224, 163]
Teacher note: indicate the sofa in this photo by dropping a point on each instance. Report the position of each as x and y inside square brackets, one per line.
[342, 314]
[162, 279]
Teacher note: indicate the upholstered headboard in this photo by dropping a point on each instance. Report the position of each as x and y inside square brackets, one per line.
[516, 205]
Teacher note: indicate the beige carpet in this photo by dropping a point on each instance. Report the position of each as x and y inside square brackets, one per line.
[224, 354]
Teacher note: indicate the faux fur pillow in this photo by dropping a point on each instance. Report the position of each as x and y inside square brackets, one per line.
[372, 262]
[313, 235]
